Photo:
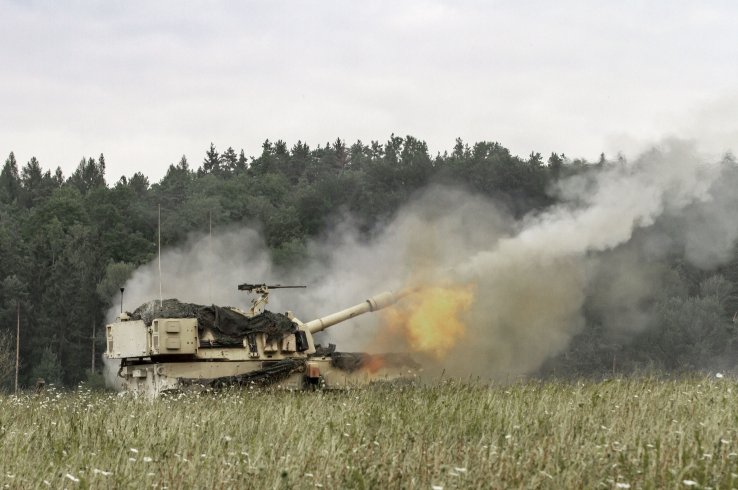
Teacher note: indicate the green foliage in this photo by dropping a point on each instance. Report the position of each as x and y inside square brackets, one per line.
[47, 367]
[68, 245]
[89, 175]
[622, 433]
[7, 360]
[115, 277]
[9, 181]
[95, 381]
[289, 253]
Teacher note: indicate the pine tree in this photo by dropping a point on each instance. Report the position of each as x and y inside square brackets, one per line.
[211, 164]
[31, 182]
[242, 164]
[9, 180]
[89, 175]
[229, 160]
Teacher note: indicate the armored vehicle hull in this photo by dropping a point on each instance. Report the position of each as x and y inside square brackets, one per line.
[168, 345]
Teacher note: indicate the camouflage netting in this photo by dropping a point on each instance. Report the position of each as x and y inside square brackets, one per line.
[224, 322]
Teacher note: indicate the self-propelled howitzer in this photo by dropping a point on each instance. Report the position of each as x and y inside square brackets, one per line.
[168, 345]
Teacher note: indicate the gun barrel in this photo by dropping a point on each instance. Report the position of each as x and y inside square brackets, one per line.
[377, 302]
[250, 287]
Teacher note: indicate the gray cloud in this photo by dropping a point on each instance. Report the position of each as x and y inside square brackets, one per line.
[145, 82]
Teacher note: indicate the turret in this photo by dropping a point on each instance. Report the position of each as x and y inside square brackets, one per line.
[167, 344]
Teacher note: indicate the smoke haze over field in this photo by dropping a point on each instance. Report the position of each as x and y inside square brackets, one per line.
[531, 278]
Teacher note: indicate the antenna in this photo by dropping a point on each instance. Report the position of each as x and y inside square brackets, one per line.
[161, 298]
[121, 300]
[210, 251]
[17, 342]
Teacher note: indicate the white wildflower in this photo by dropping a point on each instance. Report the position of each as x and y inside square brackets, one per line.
[690, 483]
[718, 375]
[460, 469]
[622, 485]
[134, 450]
[436, 487]
[227, 438]
[102, 472]
[72, 477]
[147, 459]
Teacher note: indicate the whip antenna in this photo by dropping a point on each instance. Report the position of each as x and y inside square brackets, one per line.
[161, 298]
[210, 246]
[17, 342]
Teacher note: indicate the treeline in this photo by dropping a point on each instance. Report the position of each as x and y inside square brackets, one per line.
[68, 243]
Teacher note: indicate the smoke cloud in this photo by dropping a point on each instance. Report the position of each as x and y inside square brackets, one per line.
[603, 245]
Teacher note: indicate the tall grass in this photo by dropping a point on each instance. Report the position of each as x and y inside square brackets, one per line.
[630, 433]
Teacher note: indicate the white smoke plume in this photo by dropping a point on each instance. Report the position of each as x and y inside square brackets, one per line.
[602, 243]
[532, 285]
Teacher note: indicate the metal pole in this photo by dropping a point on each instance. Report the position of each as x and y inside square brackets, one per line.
[161, 297]
[613, 363]
[210, 247]
[93, 345]
[17, 343]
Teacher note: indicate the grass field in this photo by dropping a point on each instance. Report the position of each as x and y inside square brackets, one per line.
[630, 433]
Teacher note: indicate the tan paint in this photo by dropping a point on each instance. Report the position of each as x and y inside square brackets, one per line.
[155, 358]
[381, 300]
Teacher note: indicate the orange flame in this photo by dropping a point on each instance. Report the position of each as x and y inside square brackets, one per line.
[430, 320]
[373, 363]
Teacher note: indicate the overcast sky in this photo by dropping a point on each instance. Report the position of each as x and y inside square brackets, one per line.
[145, 82]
